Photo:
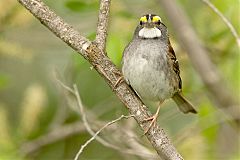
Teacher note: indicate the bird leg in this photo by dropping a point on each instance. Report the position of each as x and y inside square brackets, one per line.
[153, 119]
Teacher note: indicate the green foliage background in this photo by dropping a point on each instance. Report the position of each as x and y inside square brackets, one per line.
[32, 103]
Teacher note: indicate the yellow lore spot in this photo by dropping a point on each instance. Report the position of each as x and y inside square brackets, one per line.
[156, 19]
[143, 19]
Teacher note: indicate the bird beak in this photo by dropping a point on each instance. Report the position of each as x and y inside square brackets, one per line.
[149, 20]
[149, 24]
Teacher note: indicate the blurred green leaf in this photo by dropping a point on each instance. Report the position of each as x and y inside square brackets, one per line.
[4, 80]
[91, 36]
[80, 5]
[115, 48]
[218, 35]
[208, 122]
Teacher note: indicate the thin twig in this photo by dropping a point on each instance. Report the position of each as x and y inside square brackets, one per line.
[224, 19]
[99, 131]
[102, 24]
[65, 86]
[92, 133]
[76, 128]
[101, 140]
[84, 118]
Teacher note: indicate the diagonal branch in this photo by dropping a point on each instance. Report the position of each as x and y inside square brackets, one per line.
[102, 64]
[102, 24]
[133, 148]
[52, 137]
[200, 59]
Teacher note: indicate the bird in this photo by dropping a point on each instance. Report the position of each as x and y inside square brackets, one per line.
[150, 66]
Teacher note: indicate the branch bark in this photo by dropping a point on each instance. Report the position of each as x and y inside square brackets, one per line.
[96, 57]
[201, 62]
[102, 24]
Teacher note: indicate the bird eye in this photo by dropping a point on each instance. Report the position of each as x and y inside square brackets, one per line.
[156, 20]
[141, 22]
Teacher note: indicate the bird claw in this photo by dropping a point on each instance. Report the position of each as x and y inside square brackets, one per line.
[153, 120]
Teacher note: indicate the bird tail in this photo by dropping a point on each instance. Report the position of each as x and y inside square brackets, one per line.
[183, 104]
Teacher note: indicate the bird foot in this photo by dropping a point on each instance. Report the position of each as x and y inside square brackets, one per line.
[153, 120]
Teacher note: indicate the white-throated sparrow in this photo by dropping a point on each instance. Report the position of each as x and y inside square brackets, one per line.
[150, 65]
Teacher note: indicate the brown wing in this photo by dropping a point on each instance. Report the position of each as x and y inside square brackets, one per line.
[172, 56]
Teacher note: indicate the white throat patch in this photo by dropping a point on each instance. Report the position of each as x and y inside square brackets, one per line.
[150, 32]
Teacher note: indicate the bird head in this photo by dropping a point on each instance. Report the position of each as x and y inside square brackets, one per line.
[150, 26]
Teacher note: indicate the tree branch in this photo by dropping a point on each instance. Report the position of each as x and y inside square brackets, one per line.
[224, 19]
[200, 59]
[133, 148]
[107, 70]
[53, 136]
[98, 132]
[102, 24]
[141, 153]
[89, 129]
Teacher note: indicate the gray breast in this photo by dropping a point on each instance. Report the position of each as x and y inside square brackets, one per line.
[146, 68]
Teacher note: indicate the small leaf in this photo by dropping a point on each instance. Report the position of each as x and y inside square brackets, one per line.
[4, 80]
[91, 36]
[79, 5]
[75, 5]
